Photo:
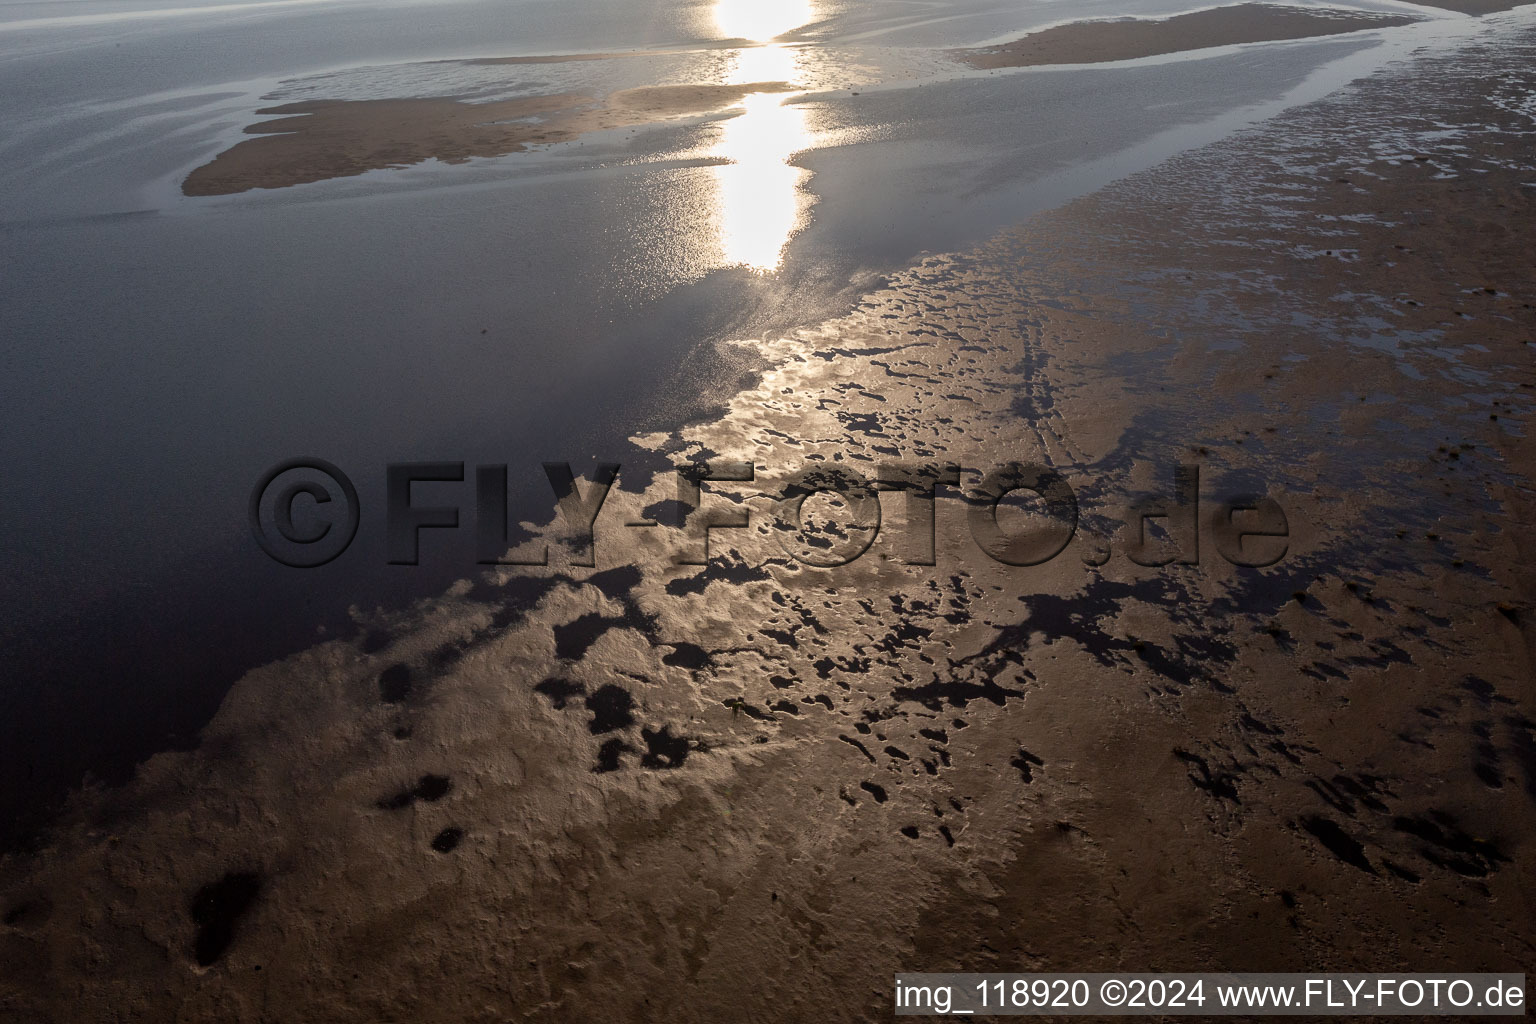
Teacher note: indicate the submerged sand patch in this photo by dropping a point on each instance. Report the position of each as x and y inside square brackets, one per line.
[323, 139]
[1097, 42]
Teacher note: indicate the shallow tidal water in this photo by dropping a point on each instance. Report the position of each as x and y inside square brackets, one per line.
[163, 351]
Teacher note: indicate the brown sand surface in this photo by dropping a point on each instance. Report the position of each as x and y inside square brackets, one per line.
[1094, 42]
[756, 790]
[324, 139]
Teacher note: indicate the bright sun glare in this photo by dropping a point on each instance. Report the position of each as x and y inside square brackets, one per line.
[761, 20]
[760, 195]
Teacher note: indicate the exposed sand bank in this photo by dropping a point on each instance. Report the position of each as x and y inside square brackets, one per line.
[323, 139]
[1094, 42]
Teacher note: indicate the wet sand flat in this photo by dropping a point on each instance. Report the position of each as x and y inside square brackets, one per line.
[318, 140]
[1093, 42]
[322, 139]
[756, 790]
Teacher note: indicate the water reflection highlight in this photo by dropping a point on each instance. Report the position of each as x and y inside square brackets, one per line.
[762, 201]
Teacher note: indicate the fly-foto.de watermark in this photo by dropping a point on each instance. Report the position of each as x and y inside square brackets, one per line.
[305, 513]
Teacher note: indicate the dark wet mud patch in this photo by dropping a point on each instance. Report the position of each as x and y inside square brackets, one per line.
[216, 909]
[513, 599]
[559, 691]
[1218, 783]
[448, 839]
[28, 913]
[741, 707]
[395, 684]
[1338, 842]
[663, 750]
[608, 756]
[719, 570]
[429, 788]
[686, 655]
[855, 743]
[611, 708]
[954, 693]
[432, 788]
[572, 639]
[1026, 763]
[1344, 793]
[1081, 618]
[1447, 846]
[617, 582]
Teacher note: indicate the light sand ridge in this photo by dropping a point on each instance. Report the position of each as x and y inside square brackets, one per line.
[1094, 42]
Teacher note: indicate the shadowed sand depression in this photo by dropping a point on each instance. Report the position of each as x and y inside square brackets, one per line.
[323, 139]
[1095, 42]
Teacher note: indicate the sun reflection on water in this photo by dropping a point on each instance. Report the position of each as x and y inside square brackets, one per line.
[761, 199]
[761, 20]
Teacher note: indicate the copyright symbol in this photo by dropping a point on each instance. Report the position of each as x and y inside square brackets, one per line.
[304, 512]
[1112, 992]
